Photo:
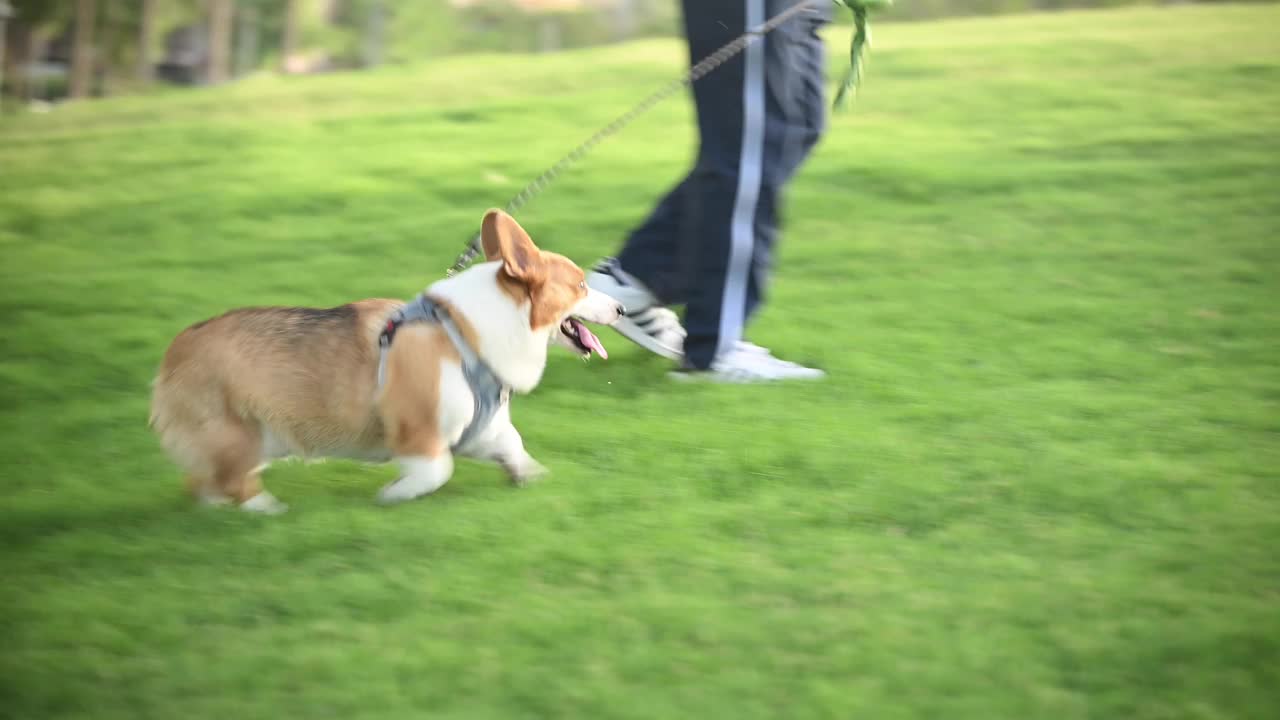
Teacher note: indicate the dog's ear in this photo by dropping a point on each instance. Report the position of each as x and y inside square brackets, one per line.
[503, 239]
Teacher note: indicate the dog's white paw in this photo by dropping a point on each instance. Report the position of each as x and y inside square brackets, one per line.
[265, 503]
[422, 476]
[406, 488]
[396, 492]
[212, 498]
[528, 471]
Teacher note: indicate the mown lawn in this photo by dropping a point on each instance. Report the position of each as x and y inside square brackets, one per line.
[1039, 262]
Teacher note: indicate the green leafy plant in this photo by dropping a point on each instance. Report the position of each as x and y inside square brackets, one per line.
[861, 41]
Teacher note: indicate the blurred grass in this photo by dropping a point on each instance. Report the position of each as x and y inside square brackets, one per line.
[1039, 261]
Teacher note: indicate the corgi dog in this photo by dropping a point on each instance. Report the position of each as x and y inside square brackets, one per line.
[376, 380]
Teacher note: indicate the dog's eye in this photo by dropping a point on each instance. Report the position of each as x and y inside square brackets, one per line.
[582, 285]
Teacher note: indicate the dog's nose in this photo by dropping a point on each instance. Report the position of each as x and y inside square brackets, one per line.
[622, 310]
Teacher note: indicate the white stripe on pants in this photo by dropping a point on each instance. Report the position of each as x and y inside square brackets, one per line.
[733, 306]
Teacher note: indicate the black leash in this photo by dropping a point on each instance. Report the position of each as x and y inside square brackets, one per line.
[848, 86]
[704, 66]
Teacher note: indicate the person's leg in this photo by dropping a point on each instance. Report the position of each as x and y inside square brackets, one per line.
[654, 267]
[758, 118]
[651, 253]
[726, 180]
[708, 242]
[795, 117]
[644, 277]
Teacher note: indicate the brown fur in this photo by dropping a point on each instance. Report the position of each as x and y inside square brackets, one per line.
[410, 431]
[309, 376]
[550, 281]
[557, 286]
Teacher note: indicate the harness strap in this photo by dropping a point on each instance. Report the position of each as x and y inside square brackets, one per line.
[487, 390]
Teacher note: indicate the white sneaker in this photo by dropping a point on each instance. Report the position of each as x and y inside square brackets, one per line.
[648, 324]
[748, 363]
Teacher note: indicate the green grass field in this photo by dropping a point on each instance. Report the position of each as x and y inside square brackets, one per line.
[1039, 261]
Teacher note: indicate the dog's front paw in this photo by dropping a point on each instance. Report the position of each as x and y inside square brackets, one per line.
[404, 489]
[212, 498]
[422, 476]
[264, 503]
[397, 492]
[527, 471]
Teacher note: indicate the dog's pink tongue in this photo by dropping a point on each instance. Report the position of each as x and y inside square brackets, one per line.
[590, 341]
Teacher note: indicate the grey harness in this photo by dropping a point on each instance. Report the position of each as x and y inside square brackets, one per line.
[489, 392]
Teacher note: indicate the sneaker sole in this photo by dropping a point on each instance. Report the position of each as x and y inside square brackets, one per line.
[710, 376]
[628, 329]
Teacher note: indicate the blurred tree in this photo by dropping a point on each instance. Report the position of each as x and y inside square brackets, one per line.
[82, 49]
[375, 33]
[6, 11]
[368, 33]
[113, 44]
[246, 40]
[626, 18]
[146, 32]
[32, 26]
[427, 29]
[221, 15]
[289, 35]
